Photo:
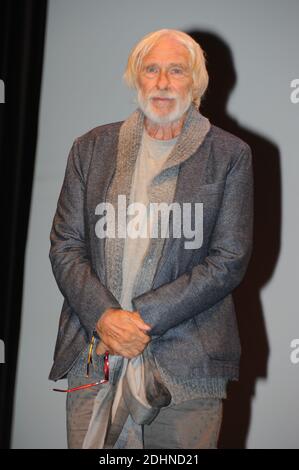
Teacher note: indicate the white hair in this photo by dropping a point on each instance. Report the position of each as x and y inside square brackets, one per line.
[196, 53]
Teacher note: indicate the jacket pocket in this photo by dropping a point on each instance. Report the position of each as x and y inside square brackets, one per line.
[218, 332]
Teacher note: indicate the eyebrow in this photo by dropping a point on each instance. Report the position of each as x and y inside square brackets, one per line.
[172, 64]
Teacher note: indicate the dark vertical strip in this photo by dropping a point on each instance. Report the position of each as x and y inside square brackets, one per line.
[22, 33]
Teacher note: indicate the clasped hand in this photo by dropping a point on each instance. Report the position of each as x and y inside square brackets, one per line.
[122, 332]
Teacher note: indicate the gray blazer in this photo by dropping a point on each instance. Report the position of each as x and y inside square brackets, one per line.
[190, 306]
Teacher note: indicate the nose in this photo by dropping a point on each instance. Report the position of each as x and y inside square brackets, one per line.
[162, 80]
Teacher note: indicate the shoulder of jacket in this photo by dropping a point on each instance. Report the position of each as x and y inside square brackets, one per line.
[226, 141]
[99, 131]
[83, 146]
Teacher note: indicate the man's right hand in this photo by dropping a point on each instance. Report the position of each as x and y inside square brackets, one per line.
[123, 332]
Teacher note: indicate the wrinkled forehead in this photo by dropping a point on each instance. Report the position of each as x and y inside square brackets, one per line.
[167, 50]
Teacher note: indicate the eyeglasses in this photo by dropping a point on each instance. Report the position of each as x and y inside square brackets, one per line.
[176, 71]
[89, 361]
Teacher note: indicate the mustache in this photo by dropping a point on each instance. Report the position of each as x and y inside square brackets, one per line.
[162, 95]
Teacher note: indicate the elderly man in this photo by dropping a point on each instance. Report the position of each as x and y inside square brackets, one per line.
[148, 337]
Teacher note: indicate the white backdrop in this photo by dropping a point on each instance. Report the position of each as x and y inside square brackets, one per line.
[87, 45]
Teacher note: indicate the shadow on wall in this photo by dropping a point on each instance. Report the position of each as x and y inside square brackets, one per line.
[267, 223]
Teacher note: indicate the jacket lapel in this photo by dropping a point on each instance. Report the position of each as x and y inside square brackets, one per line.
[188, 182]
[102, 168]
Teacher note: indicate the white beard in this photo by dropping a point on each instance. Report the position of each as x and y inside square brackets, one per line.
[181, 106]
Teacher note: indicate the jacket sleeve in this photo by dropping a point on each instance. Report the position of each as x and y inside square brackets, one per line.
[69, 257]
[223, 268]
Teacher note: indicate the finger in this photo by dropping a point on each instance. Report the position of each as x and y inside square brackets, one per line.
[128, 330]
[136, 351]
[140, 323]
[136, 316]
[139, 340]
[101, 348]
[138, 344]
[118, 325]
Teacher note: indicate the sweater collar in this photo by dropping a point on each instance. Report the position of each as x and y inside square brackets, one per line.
[194, 130]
